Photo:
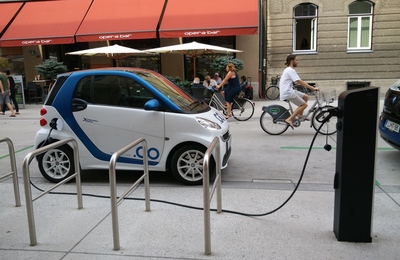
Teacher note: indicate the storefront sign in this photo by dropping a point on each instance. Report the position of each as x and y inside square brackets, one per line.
[202, 33]
[36, 42]
[115, 36]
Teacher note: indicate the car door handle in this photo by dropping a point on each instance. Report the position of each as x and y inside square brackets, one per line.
[78, 104]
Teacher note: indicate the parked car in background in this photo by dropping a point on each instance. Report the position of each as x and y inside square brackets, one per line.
[106, 109]
[389, 121]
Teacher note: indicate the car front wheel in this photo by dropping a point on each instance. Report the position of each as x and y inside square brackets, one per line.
[57, 164]
[187, 164]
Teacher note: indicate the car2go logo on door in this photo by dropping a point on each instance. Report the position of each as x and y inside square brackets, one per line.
[107, 109]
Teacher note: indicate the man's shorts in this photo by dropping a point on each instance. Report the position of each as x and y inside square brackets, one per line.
[298, 98]
[5, 98]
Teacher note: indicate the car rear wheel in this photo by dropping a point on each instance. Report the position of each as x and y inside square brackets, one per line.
[57, 164]
[187, 164]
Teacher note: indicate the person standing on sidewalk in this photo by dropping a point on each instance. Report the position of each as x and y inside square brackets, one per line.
[287, 92]
[5, 93]
[13, 91]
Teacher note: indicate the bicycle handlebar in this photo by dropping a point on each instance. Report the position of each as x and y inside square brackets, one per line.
[214, 89]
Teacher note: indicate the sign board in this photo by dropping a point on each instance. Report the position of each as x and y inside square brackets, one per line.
[19, 85]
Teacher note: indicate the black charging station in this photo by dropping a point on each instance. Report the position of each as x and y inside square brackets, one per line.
[355, 164]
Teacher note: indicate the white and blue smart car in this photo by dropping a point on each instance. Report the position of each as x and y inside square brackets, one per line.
[106, 109]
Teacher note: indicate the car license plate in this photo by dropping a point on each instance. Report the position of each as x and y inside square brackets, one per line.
[392, 126]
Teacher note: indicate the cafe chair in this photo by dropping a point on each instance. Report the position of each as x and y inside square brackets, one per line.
[198, 93]
[33, 92]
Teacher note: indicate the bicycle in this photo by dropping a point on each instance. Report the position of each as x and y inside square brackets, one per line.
[242, 108]
[272, 92]
[273, 117]
[302, 89]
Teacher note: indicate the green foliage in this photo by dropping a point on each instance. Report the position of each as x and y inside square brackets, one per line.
[4, 64]
[219, 63]
[184, 84]
[49, 69]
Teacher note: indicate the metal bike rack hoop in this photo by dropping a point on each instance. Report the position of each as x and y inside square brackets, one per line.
[28, 192]
[113, 186]
[207, 194]
[13, 172]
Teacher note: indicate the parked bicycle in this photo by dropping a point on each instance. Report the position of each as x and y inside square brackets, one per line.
[272, 92]
[302, 89]
[273, 117]
[242, 108]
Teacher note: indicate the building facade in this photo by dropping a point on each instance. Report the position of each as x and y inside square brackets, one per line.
[31, 31]
[340, 44]
[348, 43]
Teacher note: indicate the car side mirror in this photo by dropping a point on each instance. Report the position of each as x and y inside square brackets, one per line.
[152, 104]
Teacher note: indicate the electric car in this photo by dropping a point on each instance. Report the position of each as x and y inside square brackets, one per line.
[389, 121]
[104, 110]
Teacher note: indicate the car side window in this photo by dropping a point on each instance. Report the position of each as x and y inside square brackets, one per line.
[113, 91]
[106, 90]
[134, 94]
[82, 90]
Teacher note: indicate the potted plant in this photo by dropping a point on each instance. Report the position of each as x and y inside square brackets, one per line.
[184, 84]
[50, 68]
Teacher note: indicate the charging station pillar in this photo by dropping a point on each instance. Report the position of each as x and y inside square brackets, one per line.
[355, 164]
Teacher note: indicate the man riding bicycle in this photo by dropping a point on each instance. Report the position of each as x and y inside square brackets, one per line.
[287, 92]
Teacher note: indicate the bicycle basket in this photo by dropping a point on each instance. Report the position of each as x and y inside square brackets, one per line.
[328, 95]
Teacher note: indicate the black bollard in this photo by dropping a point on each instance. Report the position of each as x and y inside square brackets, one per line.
[355, 164]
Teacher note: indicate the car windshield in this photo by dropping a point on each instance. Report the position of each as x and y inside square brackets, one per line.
[177, 95]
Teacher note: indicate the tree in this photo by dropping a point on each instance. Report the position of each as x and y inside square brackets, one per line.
[49, 69]
[219, 63]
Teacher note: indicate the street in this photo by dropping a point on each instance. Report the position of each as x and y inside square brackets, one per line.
[257, 158]
[261, 175]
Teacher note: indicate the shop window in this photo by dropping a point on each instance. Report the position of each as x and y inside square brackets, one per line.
[360, 25]
[305, 27]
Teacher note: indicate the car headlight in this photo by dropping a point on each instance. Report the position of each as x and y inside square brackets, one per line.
[207, 123]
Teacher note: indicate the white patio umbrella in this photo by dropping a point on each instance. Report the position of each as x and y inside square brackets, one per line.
[194, 50]
[115, 52]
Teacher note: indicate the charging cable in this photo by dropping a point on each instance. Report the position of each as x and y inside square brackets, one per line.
[333, 112]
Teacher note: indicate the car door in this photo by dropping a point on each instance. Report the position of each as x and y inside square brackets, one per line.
[113, 116]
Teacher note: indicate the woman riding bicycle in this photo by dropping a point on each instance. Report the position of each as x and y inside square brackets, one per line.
[287, 92]
[233, 88]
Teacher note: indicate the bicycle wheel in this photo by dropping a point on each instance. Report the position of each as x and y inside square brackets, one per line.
[271, 126]
[272, 92]
[242, 109]
[318, 118]
[300, 88]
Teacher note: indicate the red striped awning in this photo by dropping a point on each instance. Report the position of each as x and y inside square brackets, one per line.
[183, 18]
[46, 23]
[7, 13]
[120, 20]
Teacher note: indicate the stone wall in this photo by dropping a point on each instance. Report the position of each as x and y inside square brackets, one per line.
[332, 65]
